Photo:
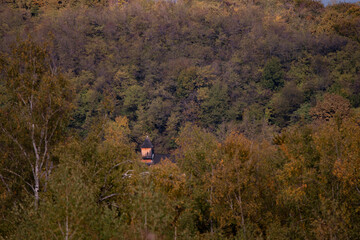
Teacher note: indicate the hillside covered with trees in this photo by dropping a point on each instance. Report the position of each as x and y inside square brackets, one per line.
[258, 102]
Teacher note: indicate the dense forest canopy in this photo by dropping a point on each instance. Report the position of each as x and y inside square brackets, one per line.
[258, 101]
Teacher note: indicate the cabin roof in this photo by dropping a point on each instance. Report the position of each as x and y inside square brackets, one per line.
[159, 157]
[147, 143]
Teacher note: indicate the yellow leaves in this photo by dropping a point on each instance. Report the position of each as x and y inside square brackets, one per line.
[346, 170]
[237, 146]
[292, 194]
[125, 75]
[339, 168]
[169, 179]
[295, 175]
[339, 149]
[116, 3]
[203, 93]
[118, 130]
[238, 181]
[292, 179]
[342, 19]
[284, 149]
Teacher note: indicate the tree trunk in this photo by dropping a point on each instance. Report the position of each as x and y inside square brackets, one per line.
[36, 187]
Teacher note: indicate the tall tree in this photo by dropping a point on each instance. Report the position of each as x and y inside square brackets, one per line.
[35, 102]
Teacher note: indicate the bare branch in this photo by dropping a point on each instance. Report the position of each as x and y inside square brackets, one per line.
[3, 180]
[28, 160]
[14, 173]
[72, 234]
[114, 205]
[109, 196]
[126, 174]
[357, 189]
[53, 131]
[21, 98]
[61, 230]
[27, 191]
[15, 141]
[116, 165]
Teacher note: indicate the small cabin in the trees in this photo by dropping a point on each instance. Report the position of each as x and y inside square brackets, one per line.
[148, 154]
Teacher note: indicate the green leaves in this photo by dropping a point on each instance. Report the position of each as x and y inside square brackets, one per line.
[214, 105]
[164, 69]
[37, 99]
[273, 74]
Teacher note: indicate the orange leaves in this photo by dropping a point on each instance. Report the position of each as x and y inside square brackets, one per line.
[169, 179]
[333, 106]
[293, 195]
[118, 130]
[297, 176]
[240, 181]
[343, 19]
[321, 173]
[292, 178]
[343, 169]
[347, 148]
[237, 146]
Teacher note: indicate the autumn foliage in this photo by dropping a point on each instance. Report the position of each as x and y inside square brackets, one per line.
[257, 102]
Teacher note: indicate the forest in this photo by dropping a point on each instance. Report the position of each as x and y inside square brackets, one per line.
[257, 101]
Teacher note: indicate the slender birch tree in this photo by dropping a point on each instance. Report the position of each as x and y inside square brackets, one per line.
[34, 103]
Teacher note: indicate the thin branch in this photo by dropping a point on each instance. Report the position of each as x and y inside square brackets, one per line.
[114, 205]
[53, 131]
[72, 234]
[54, 112]
[3, 180]
[61, 230]
[27, 191]
[116, 165]
[21, 98]
[9, 171]
[47, 140]
[15, 141]
[357, 189]
[54, 235]
[28, 160]
[126, 174]
[109, 196]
